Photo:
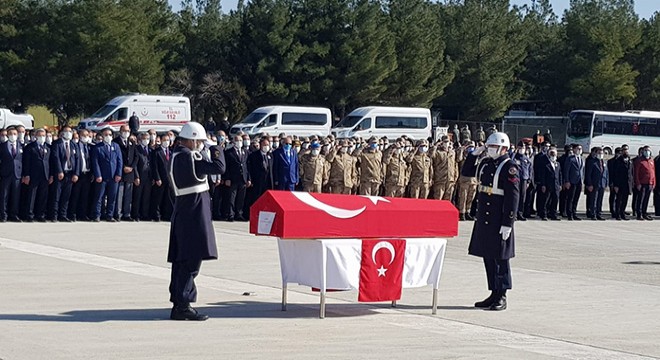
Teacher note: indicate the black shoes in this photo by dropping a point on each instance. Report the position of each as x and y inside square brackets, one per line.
[186, 313]
[648, 217]
[487, 302]
[521, 218]
[461, 217]
[499, 304]
[469, 217]
[600, 218]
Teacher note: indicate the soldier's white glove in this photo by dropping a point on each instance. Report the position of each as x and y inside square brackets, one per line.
[478, 151]
[506, 232]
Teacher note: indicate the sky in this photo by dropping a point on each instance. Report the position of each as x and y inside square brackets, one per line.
[645, 8]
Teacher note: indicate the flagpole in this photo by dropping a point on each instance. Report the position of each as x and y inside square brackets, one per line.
[284, 297]
[434, 310]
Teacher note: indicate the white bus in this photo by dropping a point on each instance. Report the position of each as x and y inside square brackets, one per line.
[610, 130]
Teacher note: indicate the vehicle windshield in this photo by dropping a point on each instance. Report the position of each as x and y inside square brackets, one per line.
[104, 111]
[253, 118]
[348, 122]
[580, 125]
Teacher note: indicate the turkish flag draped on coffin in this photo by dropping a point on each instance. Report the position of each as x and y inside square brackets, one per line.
[381, 270]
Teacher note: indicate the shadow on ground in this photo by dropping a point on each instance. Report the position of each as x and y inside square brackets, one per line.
[639, 262]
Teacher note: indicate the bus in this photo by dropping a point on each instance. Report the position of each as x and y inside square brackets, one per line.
[610, 130]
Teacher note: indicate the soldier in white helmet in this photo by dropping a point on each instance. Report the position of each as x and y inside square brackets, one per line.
[192, 238]
[497, 207]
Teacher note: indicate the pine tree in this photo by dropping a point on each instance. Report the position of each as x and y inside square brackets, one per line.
[646, 60]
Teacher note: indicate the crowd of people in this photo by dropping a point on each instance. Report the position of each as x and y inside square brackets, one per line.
[82, 175]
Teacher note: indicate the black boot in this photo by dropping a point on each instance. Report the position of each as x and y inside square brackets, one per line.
[500, 302]
[461, 217]
[469, 217]
[186, 313]
[487, 302]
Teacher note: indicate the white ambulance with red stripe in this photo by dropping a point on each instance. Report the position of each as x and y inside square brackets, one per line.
[159, 112]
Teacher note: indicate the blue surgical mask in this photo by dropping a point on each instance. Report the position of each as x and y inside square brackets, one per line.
[287, 147]
[373, 146]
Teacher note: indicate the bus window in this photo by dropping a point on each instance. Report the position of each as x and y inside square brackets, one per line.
[580, 124]
[598, 125]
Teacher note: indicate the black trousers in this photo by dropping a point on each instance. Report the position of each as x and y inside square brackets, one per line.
[563, 193]
[80, 200]
[162, 202]
[233, 201]
[62, 189]
[532, 189]
[595, 202]
[10, 192]
[182, 282]
[643, 197]
[498, 273]
[141, 199]
[656, 199]
[622, 202]
[572, 198]
[612, 199]
[523, 184]
[635, 196]
[37, 198]
[217, 192]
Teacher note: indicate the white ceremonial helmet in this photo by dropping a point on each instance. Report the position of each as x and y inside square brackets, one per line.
[498, 139]
[193, 131]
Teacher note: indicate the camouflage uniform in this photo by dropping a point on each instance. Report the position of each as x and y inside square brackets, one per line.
[342, 172]
[445, 174]
[421, 175]
[396, 174]
[371, 172]
[313, 172]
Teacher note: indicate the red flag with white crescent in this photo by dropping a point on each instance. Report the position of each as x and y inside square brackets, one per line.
[381, 270]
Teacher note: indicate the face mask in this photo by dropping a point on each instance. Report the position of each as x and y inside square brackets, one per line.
[75, 141]
[12, 138]
[246, 143]
[297, 148]
[276, 144]
[172, 138]
[315, 152]
[578, 152]
[107, 139]
[351, 149]
[601, 156]
[521, 151]
[221, 140]
[553, 158]
[381, 147]
[647, 154]
[41, 140]
[125, 135]
[287, 147]
[144, 142]
[21, 137]
[84, 139]
[210, 143]
[407, 148]
[165, 144]
[152, 137]
[424, 149]
[67, 135]
[3, 139]
[373, 146]
[49, 140]
[326, 148]
[493, 152]
[305, 146]
[344, 150]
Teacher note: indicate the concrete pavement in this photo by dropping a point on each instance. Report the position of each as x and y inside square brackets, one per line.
[582, 290]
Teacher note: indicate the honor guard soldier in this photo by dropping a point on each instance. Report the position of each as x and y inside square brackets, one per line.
[493, 235]
[192, 238]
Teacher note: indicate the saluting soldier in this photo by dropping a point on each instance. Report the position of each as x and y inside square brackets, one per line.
[371, 169]
[342, 169]
[192, 238]
[421, 174]
[313, 170]
[493, 235]
[395, 170]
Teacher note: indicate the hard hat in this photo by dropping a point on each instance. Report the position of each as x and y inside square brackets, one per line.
[499, 139]
[193, 131]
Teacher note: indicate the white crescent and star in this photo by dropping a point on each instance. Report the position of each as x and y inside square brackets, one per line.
[333, 211]
[383, 245]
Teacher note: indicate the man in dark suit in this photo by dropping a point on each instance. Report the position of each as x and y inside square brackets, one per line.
[611, 170]
[107, 167]
[548, 178]
[593, 182]
[142, 188]
[568, 151]
[622, 182]
[65, 168]
[129, 175]
[80, 193]
[236, 179]
[573, 174]
[11, 168]
[285, 166]
[161, 203]
[36, 174]
[134, 123]
[259, 166]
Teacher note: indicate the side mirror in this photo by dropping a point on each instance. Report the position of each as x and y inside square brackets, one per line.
[358, 128]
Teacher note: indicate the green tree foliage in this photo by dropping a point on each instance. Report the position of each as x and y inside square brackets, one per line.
[599, 35]
[487, 41]
[647, 61]
[423, 70]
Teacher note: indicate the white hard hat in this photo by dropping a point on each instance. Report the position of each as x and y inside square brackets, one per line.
[499, 139]
[193, 131]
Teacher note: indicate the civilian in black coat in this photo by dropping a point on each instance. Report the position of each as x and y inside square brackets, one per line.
[142, 189]
[36, 174]
[260, 164]
[593, 183]
[236, 179]
[81, 193]
[11, 168]
[129, 174]
[623, 182]
[65, 168]
[611, 169]
[161, 195]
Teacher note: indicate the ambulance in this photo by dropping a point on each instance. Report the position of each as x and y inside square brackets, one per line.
[159, 112]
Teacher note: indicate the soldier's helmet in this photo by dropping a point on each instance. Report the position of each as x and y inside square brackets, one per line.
[193, 131]
[498, 139]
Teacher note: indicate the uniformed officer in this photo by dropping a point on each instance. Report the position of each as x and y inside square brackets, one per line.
[342, 169]
[493, 235]
[421, 174]
[371, 169]
[192, 238]
[467, 188]
[313, 170]
[395, 170]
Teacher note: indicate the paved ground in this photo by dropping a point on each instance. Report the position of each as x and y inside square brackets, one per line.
[587, 290]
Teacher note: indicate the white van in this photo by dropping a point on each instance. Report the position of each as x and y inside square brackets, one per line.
[291, 120]
[159, 112]
[380, 121]
[8, 118]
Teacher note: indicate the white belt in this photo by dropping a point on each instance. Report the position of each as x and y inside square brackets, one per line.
[490, 191]
[199, 188]
[495, 189]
